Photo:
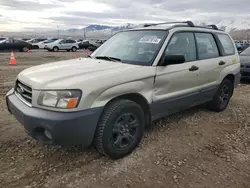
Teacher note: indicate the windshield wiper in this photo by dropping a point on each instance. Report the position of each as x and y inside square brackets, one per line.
[108, 58]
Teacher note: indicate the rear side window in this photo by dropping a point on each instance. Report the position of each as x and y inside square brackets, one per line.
[226, 44]
[206, 45]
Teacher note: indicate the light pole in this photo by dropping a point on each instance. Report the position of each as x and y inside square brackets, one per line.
[58, 32]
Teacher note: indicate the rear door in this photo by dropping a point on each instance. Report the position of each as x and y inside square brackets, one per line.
[209, 59]
[70, 43]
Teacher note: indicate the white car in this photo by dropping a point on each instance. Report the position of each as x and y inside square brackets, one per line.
[62, 44]
[41, 45]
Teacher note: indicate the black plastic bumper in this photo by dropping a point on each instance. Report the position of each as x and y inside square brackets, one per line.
[66, 128]
[245, 73]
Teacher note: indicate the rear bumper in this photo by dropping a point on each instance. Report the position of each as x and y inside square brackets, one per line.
[66, 128]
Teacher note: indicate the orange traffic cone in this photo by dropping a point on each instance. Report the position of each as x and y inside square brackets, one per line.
[12, 59]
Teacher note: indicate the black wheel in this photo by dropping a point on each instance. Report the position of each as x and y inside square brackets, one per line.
[222, 96]
[74, 49]
[25, 49]
[120, 128]
[55, 49]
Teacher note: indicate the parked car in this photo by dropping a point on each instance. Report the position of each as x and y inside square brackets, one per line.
[78, 41]
[37, 40]
[2, 39]
[41, 45]
[14, 44]
[134, 78]
[25, 39]
[62, 44]
[245, 63]
[84, 44]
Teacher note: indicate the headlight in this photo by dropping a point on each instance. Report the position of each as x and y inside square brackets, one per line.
[66, 99]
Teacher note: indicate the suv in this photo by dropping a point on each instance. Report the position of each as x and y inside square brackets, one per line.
[62, 44]
[136, 77]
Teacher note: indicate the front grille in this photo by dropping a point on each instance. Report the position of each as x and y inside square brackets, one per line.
[24, 91]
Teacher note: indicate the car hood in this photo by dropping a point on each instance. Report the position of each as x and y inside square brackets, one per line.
[71, 73]
[245, 60]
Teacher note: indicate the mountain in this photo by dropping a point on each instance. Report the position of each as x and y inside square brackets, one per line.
[237, 28]
[95, 27]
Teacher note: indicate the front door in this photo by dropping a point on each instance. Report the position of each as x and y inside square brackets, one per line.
[177, 86]
[63, 45]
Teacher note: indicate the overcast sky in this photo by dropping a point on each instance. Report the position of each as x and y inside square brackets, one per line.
[18, 15]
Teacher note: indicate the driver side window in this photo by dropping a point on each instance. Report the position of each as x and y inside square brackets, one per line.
[182, 44]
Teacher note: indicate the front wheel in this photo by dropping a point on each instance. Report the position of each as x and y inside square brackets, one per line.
[74, 49]
[55, 49]
[120, 128]
[222, 96]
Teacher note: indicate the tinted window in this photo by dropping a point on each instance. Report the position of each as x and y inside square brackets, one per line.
[206, 45]
[227, 44]
[70, 41]
[63, 41]
[182, 44]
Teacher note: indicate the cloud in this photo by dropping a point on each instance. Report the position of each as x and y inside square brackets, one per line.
[28, 5]
[78, 13]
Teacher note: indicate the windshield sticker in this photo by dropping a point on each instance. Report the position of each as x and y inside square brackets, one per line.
[150, 39]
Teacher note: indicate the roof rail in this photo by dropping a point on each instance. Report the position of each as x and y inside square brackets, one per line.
[214, 27]
[189, 23]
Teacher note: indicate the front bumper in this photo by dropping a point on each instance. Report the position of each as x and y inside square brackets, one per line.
[66, 128]
[245, 73]
[47, 48]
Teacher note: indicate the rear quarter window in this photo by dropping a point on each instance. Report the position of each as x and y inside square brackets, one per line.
[227, 44]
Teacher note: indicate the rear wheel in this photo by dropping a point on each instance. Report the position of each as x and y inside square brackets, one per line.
[222, 96]
[120, 128]
[55, 49]
[74, 49]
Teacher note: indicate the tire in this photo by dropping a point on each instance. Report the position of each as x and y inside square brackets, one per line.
[120, 129]
[55, 49]
[25, 49]
[222, 96]
[74, 49]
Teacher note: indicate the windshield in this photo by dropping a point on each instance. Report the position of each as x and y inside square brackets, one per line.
[246, 52]
[50, 41]
[133, 47]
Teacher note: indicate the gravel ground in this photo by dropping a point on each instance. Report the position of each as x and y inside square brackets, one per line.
[194, 148]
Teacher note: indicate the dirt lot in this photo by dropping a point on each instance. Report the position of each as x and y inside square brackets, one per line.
[195, 148]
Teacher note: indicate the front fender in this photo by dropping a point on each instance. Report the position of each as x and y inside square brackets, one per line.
[142, 87]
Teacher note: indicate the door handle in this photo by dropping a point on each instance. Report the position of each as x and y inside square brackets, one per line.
[222, 63]
[194, 68]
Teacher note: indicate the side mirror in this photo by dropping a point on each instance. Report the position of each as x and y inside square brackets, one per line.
[173, 59]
